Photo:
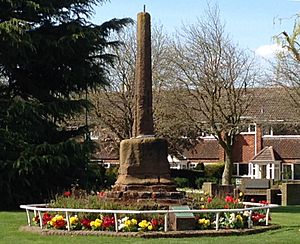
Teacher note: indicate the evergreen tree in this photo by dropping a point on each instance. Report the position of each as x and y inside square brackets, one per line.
[49, 52]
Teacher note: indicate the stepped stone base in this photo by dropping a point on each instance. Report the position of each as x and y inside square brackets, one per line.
[144, 173]
[146, 194]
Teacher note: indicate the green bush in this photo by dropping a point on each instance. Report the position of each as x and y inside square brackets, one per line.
[182, 182]
[111, 175]
[214, 170]
[200, 166]
[189, 174]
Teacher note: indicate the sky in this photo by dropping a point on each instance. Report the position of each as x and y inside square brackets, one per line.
[250, 23]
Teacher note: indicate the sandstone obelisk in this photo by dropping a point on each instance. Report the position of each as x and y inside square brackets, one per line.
[144, 171]
[143, 119]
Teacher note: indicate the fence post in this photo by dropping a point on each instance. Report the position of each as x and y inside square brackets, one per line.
[217, 220]
[68, 221]
[166, 222]
[249, 220]
[41, 220]
[267, 216]
[116, 222]
[28, 217]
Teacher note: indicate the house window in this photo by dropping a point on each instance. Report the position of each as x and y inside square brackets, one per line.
[240, 169]
[296, 171]
[265, 171]
[287, 172]
[291, 171]
[251, 128]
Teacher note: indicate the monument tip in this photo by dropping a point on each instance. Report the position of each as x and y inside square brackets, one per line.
[144, 8]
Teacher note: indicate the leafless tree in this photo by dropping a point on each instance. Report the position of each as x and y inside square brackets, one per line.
[114, 104]
[287, 65]
[213, 78]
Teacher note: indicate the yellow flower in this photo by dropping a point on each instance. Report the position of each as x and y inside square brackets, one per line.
[202, 199]
[150, 227]
[204, 222]
[134, 221]
[74, 220]
[241, 194]
[207, 222]
[96, 223]
[127, 223]
[201, 221]
[239, 218]
[144, 224]
[59, 217]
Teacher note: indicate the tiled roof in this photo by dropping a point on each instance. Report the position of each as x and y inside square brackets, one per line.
[270, 104]
[205, 149]
[265, 155]
[286, 147]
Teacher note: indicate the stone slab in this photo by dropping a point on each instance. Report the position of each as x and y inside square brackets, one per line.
[181, 221]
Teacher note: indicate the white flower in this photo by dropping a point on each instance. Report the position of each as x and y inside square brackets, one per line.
[121, 226]
[124, 219]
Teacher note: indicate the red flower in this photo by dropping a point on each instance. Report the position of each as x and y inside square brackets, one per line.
[264, 202]
[59, 224]
[85, 223]
[46, 217]
[226, 206]
[229, 199]
[108, 222]
[101, 194]
[209, 199]
[154, 222]
[67, 193]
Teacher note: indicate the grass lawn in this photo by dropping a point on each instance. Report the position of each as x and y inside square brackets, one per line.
[287, 217]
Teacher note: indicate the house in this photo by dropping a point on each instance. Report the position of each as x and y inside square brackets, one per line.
[267, 147]
[256, 155]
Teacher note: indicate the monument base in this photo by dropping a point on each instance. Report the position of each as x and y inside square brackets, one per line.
[144, 173]
[147, 195]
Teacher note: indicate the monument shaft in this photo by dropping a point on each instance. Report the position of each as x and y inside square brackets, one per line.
[143, 119]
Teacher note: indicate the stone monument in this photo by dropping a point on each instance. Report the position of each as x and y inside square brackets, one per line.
[144, 171]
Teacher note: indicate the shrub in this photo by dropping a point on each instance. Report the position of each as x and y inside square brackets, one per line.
[182, 182]
[214, 170]
[189, 174]
[111, 175]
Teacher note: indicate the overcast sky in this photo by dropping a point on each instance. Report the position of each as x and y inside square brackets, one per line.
[251, 23]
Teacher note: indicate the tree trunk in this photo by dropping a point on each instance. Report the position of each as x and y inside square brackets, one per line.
[228, 169]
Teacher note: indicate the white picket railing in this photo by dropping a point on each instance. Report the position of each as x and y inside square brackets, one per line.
[249, 206]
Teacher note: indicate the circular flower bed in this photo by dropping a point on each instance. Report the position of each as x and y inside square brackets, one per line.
[210, 213]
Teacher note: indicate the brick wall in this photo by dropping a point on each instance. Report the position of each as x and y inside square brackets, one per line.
[244, 148]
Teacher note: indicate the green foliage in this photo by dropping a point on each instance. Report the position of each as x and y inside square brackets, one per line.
[86, 201]
[49, 52]
[182, 182]
[189, 174]
[214, 170]
[111, 175]
[200, 166]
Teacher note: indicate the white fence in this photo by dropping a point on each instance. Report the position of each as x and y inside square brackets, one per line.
[38, 209]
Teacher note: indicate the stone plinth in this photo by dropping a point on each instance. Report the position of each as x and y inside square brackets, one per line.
[143, 161]
[144, 172]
